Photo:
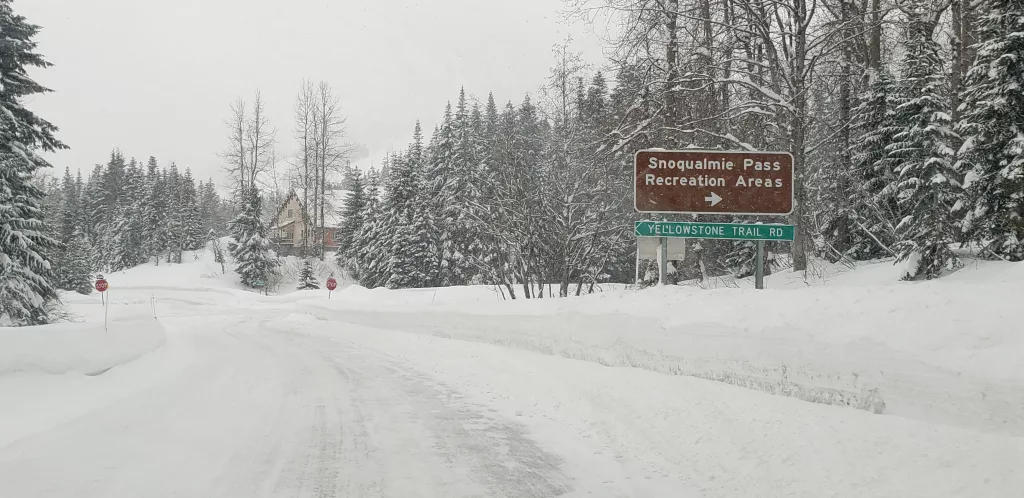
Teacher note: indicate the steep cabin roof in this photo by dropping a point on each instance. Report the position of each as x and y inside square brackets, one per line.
[335, 200]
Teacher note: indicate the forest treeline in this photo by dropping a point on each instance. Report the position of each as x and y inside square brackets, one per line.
[903, 117]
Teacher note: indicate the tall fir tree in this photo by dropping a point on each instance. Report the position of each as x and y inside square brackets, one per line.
[128, 223]
[372, 244]
[927, 185]
[93, 212]
[25, 289]
[191, 224]
[174, 226]
[413, 254]
[993, 128]
[352, 221]
[207, 207]
[154, 211]
[77, 272]
[68, 217]
[64, 222]
[441, 207]
[875, 211]
[249, 246]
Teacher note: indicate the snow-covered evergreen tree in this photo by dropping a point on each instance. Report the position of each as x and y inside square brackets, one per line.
[129, 222]
[93, 214]
[927, 185]
[211, 209]
[25, 290]
[993, 129]
[77, 270]
[154, 210]
[188, 205]
[249, 246]
[372, 243]
[307, 279]
[441, 207]
[173, 229]
[413, 254]
[352, 213]
[68, 216]
[875, 211]
[405, 230]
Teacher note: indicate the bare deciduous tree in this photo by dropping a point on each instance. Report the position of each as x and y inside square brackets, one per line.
[331, 154]
[305, 163]
[251, 139]
[236, 157]
[260, 141]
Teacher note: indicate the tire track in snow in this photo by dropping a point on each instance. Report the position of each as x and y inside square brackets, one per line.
[433, 424]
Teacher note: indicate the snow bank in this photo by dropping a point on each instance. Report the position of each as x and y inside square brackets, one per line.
[944, 351]
[382, 297]
[198, 270]
[636, 433]
[83, 346]
[456, 295]
[76, 347]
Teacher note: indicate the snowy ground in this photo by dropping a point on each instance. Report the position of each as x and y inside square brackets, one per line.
[453, 392]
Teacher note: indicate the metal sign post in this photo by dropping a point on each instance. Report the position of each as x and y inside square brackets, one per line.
[331, 285]
[759, 269]
[102, 286]
[665, 231]
[662, 260]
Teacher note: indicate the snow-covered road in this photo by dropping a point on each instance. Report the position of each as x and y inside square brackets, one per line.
[242, 411]
[253, 396]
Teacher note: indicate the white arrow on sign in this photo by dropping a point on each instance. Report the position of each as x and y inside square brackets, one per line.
[713, 198]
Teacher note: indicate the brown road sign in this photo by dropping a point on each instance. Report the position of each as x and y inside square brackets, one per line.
[713, 182]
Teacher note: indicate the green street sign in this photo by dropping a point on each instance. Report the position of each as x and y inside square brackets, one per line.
[259, 283]
[733, 231]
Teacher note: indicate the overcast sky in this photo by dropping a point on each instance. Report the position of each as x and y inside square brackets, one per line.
[155, 77]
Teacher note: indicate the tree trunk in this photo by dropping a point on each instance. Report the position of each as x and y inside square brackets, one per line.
[323, 207]
[960, 64]
[843, 237]
[798, 134]
[875, 44]
[727, 69]
[672, 64]
[968, 35]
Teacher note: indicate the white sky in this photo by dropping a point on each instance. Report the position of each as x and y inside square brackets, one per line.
[155, 77]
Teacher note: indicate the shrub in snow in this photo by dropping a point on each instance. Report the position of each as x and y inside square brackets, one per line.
[307, 280]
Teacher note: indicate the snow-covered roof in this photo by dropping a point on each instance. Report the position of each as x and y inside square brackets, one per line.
[283, 225]
[335, 201]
